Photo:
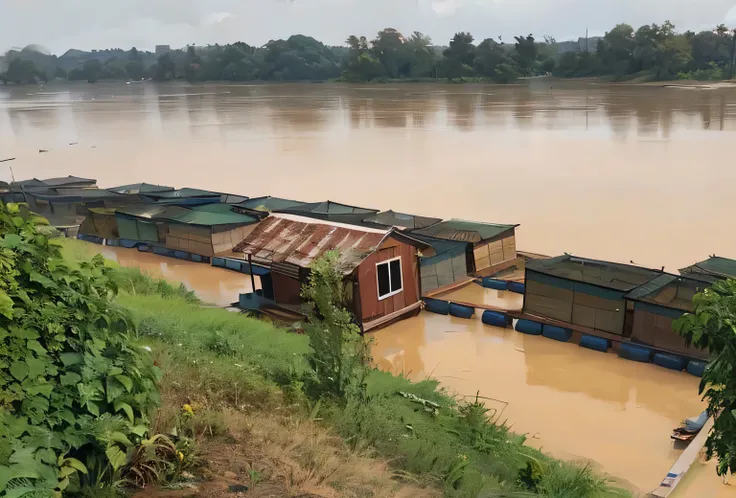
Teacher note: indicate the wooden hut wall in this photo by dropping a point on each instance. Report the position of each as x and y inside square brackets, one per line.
[370, 306]
[653, 326]
[495, 251]
[443, 271]
[190, 238]
[224, 238]
[286, 289]
[575, 303]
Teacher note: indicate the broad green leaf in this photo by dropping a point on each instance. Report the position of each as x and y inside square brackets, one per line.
[11, 240]
[69, 359]
[70, 379]
[121, 438]
[36, 347]
[19, 370]
[93, 408]
[139, 430]
[36, 367]
[121, 405]
[67, 416]
[73, 462]
[42, 279]
[21, 333]
[125, 381]
[6, 304]
[18, 221]
[116, 457]
[42, 389]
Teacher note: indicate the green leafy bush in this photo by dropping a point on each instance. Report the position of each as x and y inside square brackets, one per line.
[74, 392]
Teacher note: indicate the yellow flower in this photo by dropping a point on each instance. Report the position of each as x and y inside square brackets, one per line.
[181, 456]
[188, 409]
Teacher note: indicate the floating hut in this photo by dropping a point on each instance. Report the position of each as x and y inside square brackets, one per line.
[711, 270]
[491, 247]
[192, 197]
[447, 266]
[204, 230]
[656, 304]
[380, 266]
[586, 294]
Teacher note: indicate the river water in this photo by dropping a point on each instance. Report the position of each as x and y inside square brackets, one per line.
[629, 173]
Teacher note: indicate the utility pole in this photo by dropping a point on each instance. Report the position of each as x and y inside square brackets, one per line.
[586, 40]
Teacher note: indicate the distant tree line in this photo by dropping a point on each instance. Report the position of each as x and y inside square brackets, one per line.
[652, 52]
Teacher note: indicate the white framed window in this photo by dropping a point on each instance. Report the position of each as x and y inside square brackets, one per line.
[388, 276]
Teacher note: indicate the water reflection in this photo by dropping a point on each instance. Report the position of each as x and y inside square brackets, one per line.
[574, 402]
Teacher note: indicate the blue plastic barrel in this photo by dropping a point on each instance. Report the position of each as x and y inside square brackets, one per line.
[596, 343]
[461, 311]
[516, 287]
[529, 327]
[492, 283]
[232, 264]
[437, 306]
[196, 258]
[219, 262]
[635, 352]
[557, 333]
[671, 361]
[696, 367]
[127, 243]
[112, 242]
[181, 255]
[144, 247]
[494, 318]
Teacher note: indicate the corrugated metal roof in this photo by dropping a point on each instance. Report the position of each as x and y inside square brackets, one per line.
[715, 267]
[464, 231]
[300, 241]
[401, 220]
[617, 276]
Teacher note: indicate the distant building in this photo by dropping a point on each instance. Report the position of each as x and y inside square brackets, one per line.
[163, 49]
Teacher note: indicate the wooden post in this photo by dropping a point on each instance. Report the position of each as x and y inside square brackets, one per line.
[252, 278]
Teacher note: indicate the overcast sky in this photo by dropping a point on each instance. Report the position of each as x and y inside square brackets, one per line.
[86, 24]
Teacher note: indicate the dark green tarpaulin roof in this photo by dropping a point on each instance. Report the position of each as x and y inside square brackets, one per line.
[209, 215]
[464, 231]
[328, 208]
[183, 193]
[268, 203]
[140, 188]
[670, 291]
[401, 220]
[73, 194]
[713, 268]
[604, 274]
[443, 249]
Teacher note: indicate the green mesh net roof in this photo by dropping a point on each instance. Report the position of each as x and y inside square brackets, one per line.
[667, 290]
[464, 231]
[402, 220]
[140, 188]
[268, 203]
[209, 215]
[605, 274]
[713, 268]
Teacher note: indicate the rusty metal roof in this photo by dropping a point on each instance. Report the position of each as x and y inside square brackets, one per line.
[300, 240]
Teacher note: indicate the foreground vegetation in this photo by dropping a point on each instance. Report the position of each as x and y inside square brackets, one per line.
[242, 402]
[651, 52]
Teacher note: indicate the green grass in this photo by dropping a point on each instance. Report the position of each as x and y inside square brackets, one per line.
[229, 360]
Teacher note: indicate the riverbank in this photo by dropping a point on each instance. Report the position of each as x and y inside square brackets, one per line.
[223, 364]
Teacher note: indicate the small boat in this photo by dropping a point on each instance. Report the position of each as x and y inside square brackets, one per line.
[690, 427]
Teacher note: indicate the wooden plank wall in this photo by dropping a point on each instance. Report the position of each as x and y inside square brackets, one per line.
[371, 308]
[286, 290]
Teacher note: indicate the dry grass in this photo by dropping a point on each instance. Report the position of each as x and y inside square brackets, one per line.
[247, 433]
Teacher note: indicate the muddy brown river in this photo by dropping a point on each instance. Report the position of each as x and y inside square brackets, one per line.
[629, 173]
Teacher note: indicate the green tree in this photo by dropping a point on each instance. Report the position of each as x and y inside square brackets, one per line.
[165, 68]
[422, 59]
[712, 326]
[75, 393]
[525, 53]
[134, 67]
[459, 56]
[616, 50]
[22, 72]
[391, 50]
[361, 65]
[488, 55]
[340, 357]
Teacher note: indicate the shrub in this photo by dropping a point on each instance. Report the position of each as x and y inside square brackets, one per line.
[74, 392]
